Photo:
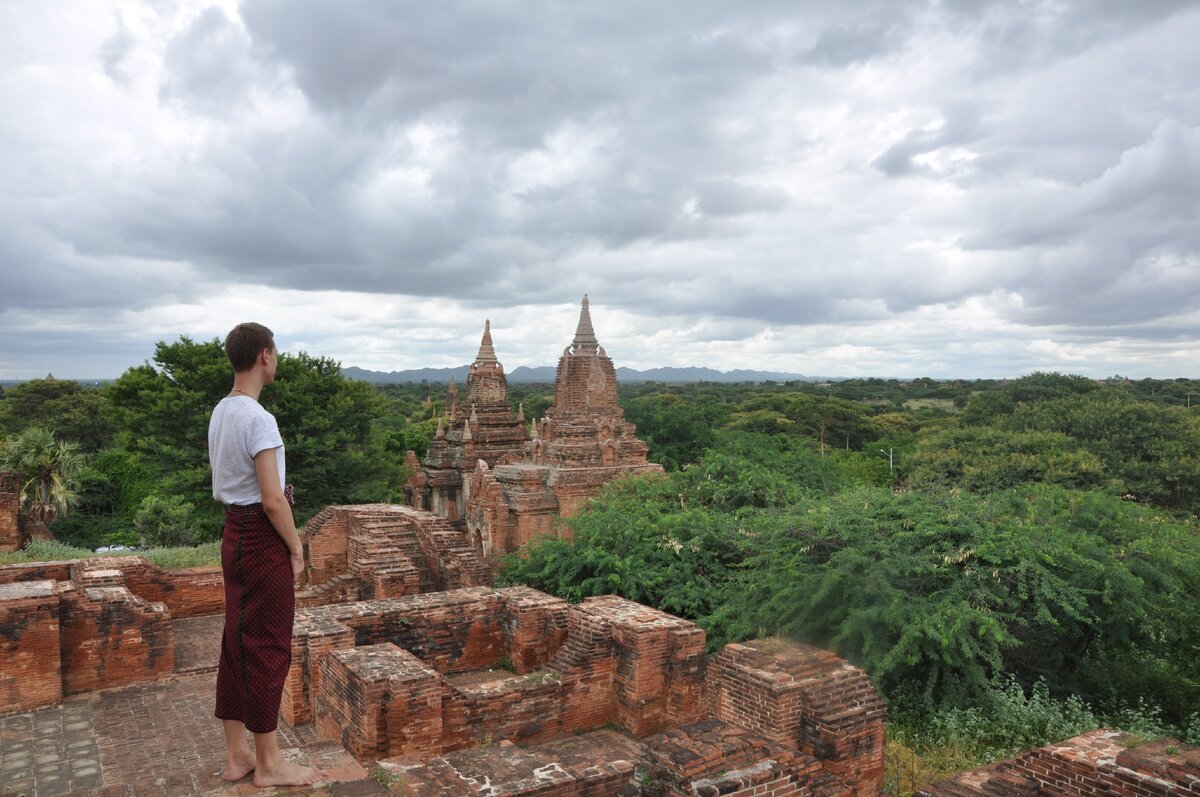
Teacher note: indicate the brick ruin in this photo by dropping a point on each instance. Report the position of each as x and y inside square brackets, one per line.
[72, 627]
[1102, 762]
[442, 686]
[504, 486]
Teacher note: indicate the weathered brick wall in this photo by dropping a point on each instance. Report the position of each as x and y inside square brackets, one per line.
[379, 701]
[315, 635]
[188, 592]
[1095, 763]
[807, 699]
[713, 757]
[576, 667]
[10, 505]
[452, 562]
[535, 627]
[35, 571]
[375, 551]
[453, 631]
[659, 665]
[325, 539]
[29, 646]
[111, 637]
[487, 707]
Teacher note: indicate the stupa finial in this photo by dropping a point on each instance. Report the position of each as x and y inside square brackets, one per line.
[585, 336]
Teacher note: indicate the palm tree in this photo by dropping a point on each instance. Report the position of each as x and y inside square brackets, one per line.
[47, 468]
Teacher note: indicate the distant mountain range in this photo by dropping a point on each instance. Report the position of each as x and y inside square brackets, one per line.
[545, 373]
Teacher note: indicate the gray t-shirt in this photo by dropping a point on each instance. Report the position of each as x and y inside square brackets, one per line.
[238, 430]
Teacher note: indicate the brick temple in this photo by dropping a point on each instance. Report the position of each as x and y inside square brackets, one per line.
[504, 484]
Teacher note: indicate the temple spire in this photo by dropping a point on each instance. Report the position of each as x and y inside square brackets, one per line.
[585, 336]
[487, 354]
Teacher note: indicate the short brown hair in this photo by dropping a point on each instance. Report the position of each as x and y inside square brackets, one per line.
[245, 342]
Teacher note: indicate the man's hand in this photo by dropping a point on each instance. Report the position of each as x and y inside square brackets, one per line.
[297, 558]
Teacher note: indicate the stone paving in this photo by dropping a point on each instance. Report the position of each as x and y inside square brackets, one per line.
[152, 738]
[49, 751]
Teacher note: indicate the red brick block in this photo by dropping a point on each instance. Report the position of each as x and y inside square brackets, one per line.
[30, 655]
[111, 637]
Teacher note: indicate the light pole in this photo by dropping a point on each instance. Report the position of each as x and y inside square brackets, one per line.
[891, 471]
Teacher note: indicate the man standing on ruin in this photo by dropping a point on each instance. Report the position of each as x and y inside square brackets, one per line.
[261, 557]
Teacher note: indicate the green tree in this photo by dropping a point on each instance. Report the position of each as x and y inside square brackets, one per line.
[167, 522]
[639, 540]
[678, 431]
[936, 593]
[336, 448]
[47, 468]
[831, 422]
[1031, 388]
[74, 413]
[985, 459]
[1149, 450]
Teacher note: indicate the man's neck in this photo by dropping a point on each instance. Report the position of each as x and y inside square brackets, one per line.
[247, 385]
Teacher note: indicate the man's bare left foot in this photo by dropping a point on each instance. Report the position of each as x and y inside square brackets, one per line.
[289, 773]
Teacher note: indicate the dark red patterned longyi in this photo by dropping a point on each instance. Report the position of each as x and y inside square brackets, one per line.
[260, 605]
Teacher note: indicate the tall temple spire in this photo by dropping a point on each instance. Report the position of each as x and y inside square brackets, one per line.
[487, 354]
[585, 336]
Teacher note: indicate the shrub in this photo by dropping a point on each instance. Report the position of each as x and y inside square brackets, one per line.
[166, 522]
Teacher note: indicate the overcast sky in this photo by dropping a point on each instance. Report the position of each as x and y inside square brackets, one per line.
[946, 189]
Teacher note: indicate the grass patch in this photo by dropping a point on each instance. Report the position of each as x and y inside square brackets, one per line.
[170, 558]
[908, 768]
[44, 551]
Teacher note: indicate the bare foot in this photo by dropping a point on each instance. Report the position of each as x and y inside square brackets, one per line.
[288, 773]
[238, 766]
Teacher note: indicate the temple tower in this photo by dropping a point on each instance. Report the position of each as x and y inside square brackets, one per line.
[583, 443]
[586, 426]
[483, 428]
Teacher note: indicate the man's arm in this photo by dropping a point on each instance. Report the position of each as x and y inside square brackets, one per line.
[277, 508]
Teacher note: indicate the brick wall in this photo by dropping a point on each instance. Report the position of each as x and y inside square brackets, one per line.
[379, 701]
[711, 758]
[10, 505]
[535, 627]
[806, 699]
[189, 592]
[1095, 763]
[111, 637]
[375, 551]
[568, 668]
[35, 571]
[29, 646]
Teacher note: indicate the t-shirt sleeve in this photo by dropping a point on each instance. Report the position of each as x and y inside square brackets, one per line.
[264, 434]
